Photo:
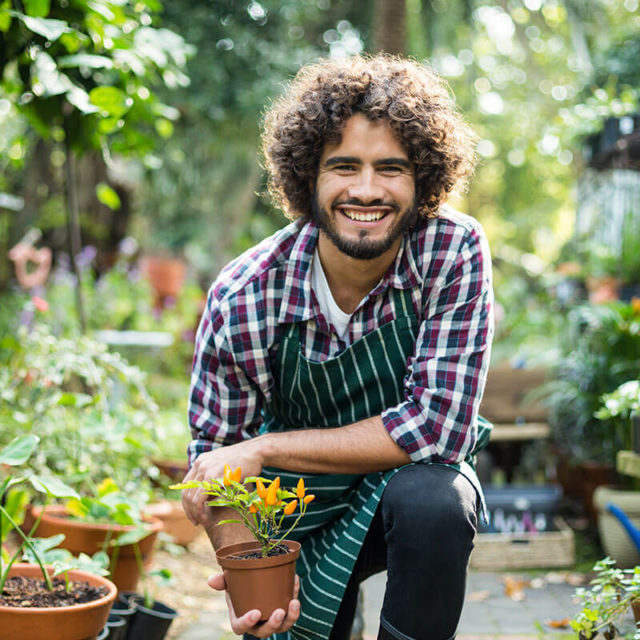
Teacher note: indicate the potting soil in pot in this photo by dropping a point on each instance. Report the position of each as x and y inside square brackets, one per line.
[24, 592]
[280, 550]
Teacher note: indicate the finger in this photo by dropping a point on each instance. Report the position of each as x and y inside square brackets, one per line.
[217, 582]
[248, 623]
[296, 587]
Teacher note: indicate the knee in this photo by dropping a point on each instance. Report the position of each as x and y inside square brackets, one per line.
[429, 500]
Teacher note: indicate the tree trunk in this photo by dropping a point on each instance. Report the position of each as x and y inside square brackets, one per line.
[390, 26]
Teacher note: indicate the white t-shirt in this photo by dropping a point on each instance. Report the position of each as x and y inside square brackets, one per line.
[330, 309]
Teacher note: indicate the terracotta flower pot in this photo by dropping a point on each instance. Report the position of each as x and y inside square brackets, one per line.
[174, 521]
[259, 583]
[77, 622]
[165, 274]
[89, 537]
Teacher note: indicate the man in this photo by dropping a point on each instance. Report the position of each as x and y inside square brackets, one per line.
[351, 347]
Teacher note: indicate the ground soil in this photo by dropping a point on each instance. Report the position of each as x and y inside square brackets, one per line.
[24, 592]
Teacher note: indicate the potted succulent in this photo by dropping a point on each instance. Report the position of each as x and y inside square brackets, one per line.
[34, 602]
[621, 406]
[258, 574]
[603, 604]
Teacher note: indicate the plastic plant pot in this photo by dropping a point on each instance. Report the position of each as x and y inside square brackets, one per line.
[117, 627]
[151, 623]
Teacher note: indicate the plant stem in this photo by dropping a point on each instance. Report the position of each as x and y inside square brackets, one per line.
[28, 542]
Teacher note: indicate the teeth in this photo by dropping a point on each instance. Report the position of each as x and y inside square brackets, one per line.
[364, 217]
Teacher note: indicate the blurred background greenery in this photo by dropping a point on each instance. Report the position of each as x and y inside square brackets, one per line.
[129, 131]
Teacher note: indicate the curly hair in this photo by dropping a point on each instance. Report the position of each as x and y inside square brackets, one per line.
[411, 97]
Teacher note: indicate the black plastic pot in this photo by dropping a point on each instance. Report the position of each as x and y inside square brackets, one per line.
[117, 627]
[103, 635]
[153, 623]
[125, 607]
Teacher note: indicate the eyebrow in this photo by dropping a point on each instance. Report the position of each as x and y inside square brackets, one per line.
[402, 162]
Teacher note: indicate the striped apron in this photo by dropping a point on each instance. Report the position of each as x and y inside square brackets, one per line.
[358, 383]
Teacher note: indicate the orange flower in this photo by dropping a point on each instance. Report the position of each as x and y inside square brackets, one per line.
[236, 476]
[291, 507]
[635, 306]
[253, 509]
[277, 482]
[260, 488]
[272, 495]
[226, 479]
[300, 490]
[309, 498]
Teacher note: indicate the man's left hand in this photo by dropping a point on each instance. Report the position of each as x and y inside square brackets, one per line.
[279, 621]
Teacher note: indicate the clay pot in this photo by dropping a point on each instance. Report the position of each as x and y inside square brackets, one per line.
[616, 542]
[259, 583]
[89, 537]
[635, 607]
[175, 470]
[174, 521]
[166, 275]
[77, 622]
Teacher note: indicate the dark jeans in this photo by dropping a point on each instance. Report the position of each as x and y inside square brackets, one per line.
[422, 534]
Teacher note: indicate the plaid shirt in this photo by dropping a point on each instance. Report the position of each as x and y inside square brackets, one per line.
[444, 261]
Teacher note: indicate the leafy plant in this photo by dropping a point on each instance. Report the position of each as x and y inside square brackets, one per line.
[12, 506]
[601, 350]
[611, 593]
[84, 401]
[261, 509]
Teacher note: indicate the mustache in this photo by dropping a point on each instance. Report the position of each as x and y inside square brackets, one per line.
[359, 203]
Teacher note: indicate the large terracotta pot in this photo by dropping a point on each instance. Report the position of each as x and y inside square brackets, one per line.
[78, 622]
[165, 274]
[616, 542]
[89, 537]
[266, 584]
[174, 521]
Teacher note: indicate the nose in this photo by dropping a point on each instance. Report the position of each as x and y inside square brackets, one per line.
[366, 186]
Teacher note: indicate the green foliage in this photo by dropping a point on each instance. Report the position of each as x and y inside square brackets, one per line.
[36, 550]
[87, 67]
[600, 351]
[85, 402]
[606, 600]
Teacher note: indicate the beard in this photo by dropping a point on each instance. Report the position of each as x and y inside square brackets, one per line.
[364, 248]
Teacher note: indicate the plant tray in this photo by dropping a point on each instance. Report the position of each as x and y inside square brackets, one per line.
[497, 551]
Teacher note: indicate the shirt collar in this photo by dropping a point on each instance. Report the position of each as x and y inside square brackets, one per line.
[296, 299]
[297, 303]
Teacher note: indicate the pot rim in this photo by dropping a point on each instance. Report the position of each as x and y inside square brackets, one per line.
[55, 512]
[74, 574]
[170, 614]
[249, 563]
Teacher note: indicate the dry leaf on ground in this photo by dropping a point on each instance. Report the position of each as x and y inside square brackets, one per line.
[514, 588]
[559, 624]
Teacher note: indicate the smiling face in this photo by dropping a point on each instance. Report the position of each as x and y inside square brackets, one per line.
[365, 192]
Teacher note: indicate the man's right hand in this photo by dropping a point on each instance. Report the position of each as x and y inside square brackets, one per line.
[279, 621]
[210, 465]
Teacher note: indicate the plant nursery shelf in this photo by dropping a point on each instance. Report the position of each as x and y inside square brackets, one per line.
[514, 432]
[628, 463]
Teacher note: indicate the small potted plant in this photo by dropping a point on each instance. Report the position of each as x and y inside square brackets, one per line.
[604, 603]
[259, 574]
[110, 521]
[34, 602]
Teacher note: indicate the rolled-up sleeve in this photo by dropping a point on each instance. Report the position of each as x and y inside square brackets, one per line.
[437, 422]
[224, 403]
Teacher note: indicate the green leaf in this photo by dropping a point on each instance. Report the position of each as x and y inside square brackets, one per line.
[19, 450]
[164, 127]
[131, 537]
[85, 60]
[37, 8]
[111, 100]
[53, 487]
[5, 16]
[45, 72]
[230, 521]
[46, 27]
[108, 196]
